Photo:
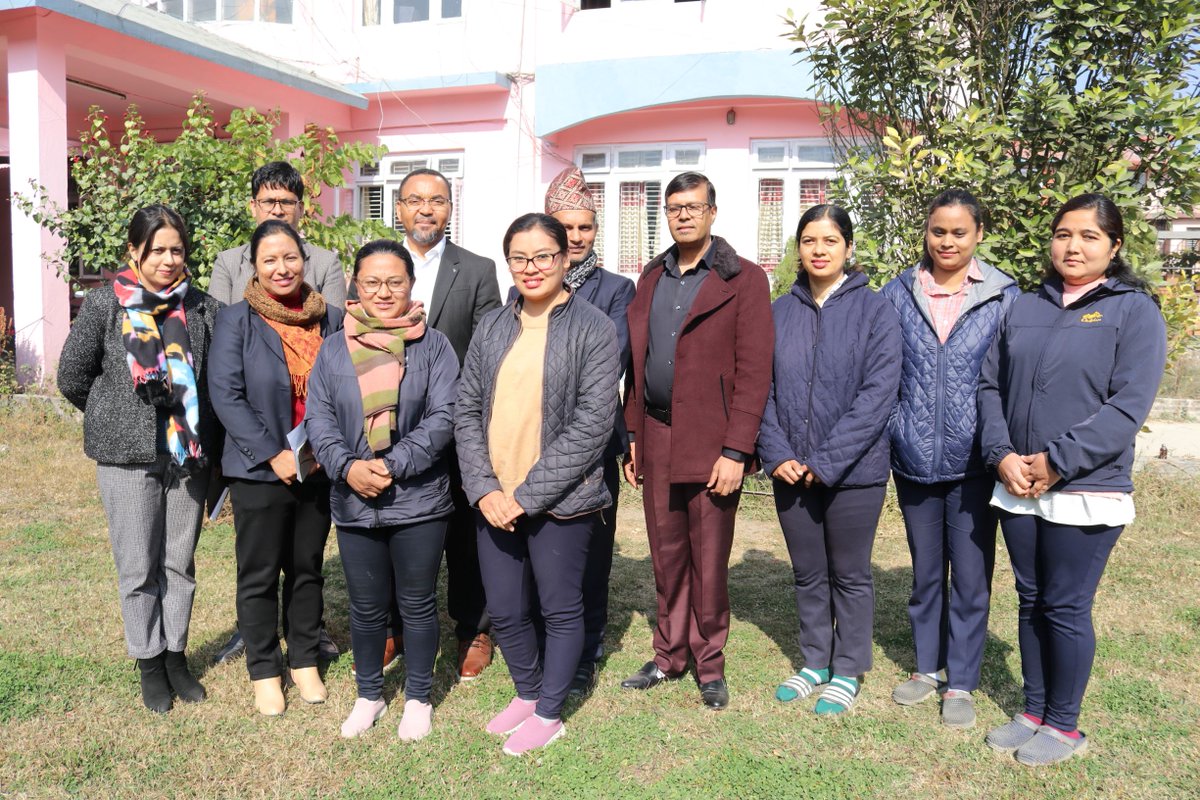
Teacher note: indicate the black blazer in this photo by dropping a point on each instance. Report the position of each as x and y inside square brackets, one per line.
[465, 289]
[251, 389]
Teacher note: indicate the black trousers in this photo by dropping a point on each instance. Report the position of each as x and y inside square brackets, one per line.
[279, 529]
[375, 560]
[829, 534]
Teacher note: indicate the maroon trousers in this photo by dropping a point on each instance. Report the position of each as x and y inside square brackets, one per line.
[691, 535]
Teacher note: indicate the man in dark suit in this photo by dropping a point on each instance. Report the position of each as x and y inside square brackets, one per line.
[457, 288]
[277, 192]
[701, 337]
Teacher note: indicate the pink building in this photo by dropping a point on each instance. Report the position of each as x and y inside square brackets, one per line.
[499, 96]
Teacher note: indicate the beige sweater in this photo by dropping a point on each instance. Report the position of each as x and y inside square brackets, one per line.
[515, 429]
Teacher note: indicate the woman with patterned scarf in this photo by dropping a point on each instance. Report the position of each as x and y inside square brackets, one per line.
[263, 354]
[134, 363]
[380, 418]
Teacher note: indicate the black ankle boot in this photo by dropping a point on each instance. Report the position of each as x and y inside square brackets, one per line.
[156, 692]
[186, 687]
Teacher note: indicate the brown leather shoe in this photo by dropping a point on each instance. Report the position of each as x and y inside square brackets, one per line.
[393, 649]
[474, 656]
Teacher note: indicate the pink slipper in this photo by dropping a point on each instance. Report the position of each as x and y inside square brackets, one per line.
[511, 718]
[534, 732]
[417, 721]
[362, 717]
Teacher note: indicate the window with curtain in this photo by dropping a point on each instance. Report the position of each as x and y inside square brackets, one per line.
[770, 222]
[597, 190]
[639, 224]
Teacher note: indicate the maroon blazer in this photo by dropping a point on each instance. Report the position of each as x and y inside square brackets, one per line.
[722, 364]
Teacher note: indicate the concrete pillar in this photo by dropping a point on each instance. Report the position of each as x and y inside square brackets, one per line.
[37, 120]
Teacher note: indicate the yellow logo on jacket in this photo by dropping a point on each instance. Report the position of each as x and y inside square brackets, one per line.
[1095, 316]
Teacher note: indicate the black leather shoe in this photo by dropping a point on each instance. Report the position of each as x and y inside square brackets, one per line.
[645, 678]
[156, 692]
[234, 648]
[584, 681]
[715, 694]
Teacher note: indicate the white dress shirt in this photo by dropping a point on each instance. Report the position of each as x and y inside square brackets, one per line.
[425, 270]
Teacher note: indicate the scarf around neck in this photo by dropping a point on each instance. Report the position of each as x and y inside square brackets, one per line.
[377, 353]
[580, 272]
[159, 353]
[299, 329]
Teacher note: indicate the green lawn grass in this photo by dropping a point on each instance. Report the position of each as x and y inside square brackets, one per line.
[73, 724]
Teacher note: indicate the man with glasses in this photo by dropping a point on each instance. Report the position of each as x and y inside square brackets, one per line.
[701, 337]
[278, 193]
[457, 288]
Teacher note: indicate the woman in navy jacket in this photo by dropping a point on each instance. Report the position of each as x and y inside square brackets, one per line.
[263, 351]
[1064, 390]
[391, 492]
[950, 307]
[836, 370]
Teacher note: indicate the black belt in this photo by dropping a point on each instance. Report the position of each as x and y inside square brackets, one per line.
[663, 415]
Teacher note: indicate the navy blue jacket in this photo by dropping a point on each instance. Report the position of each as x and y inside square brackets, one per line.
[1075, 382]
[934, 427]
[424, 429]
[251, 390]
[835, 376]
[612, 294]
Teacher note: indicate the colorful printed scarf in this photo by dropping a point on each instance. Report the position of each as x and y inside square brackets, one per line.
[377, 352]
[578, 273]
[299, 330]
[160, 361]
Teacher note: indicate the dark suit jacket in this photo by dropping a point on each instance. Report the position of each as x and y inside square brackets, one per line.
[722, 363]
[612, 294]
[322, 271]
[251, 389]
[465, 289]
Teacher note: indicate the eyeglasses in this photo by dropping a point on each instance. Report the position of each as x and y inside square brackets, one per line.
[543, 261]
[373, 285]
[693, 209]
[415, 202]
[268, 204]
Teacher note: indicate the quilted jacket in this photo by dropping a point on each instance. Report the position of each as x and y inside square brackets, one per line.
[934, 426]
[835, 376]
[579, 405]
[93, 374]
[1075, 382]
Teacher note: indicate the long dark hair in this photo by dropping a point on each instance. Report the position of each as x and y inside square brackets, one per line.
[271, 227]
[148, 221]
[543, 222]
[1108, 217]
[950, 197]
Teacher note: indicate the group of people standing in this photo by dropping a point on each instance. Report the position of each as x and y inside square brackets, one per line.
[420, 416]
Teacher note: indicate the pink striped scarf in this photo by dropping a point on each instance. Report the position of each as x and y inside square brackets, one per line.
[377, 352]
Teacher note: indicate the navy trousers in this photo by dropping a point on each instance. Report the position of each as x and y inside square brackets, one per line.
[375, 560]
[547, 556]
[952, 538]
[829, 534]
[1057, 569]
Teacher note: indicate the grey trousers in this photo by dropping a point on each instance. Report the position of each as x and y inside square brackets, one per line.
[153, 526]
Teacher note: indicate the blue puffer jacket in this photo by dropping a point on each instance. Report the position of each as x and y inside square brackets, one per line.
[934, 427]
[417, 455]
[834, 383]
[1075, 382]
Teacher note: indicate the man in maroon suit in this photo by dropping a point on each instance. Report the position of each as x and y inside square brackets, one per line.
[701, 337]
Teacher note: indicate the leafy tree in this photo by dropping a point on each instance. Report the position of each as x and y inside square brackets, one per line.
[204, 174]
[1024, 102]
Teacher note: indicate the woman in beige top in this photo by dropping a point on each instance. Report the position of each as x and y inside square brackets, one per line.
[536, 406]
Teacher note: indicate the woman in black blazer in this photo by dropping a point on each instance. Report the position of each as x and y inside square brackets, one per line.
[262, 354]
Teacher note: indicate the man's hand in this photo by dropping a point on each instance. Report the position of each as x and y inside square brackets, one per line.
[283, 464]
[1013, 473]
[726, 477]
[368, 478]
[630, 469]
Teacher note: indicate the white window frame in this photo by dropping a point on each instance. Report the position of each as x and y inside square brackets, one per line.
[791, 171]
[387, 14]
[189, 14]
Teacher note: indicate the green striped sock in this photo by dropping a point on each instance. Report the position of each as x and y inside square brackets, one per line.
[802, 684]
[838, 697]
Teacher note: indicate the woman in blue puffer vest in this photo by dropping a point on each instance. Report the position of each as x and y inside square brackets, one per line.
[824, 441]
[950, 306]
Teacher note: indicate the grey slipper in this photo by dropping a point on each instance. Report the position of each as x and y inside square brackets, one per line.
[1012, 734]
[917, 688]
[958, 709]
[1049, 746]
